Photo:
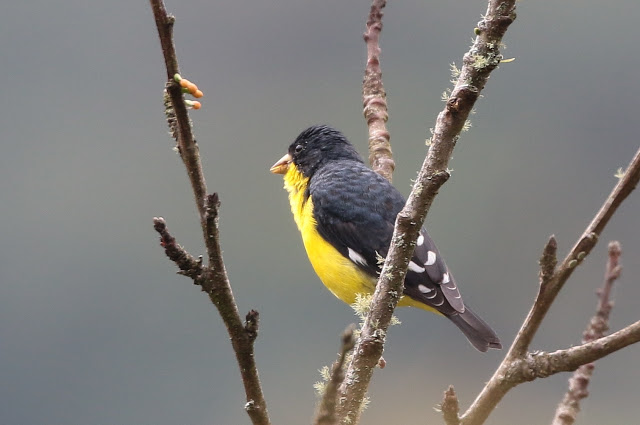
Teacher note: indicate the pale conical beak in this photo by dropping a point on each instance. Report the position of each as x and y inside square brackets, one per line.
[282, 165]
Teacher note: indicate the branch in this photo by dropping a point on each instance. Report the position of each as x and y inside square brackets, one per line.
[327, 409]
[374, 98]
[213, 279]
[581, 249]
[550, 286]
[450, 407]
[541, 365]
[568, 409]
[483, 57]
[186, 143]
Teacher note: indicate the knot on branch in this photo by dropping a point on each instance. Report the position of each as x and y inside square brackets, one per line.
[251, 324]
[548, 261]
[212, 206]
[586, 244]
[438, 178]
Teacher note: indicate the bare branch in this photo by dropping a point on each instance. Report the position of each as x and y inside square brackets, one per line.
[542, 364]
[570, 359]
[581, 249]
[450, 407]
[504, 379]
[568, 409]
[327, 409]
[186, 143]
[374, 98]
[483, 57]
[213, 279]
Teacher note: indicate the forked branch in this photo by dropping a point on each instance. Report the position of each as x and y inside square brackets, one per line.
[538, 365]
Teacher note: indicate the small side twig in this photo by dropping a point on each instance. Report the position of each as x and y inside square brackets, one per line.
[374, 97]
[568, 409]
[327, 408]
[188, 265]
[548, 262]
[450, 407]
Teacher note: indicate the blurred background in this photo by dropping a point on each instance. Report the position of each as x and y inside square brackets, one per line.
[97, 329]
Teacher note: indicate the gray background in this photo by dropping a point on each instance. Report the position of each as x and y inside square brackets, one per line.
[95, 327]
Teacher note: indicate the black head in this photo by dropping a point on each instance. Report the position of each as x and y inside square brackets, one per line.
[318, 144]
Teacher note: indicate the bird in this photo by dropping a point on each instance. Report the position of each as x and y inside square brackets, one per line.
[345, 213]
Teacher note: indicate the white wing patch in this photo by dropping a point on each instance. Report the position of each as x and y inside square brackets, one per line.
[420, 240]
[424, 289]
[356, 258]
[415, 268]
[431, 258]
[445, 278]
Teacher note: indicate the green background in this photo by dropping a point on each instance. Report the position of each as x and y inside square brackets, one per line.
[96, 328]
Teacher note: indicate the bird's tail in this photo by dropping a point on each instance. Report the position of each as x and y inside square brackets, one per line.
[479, 334]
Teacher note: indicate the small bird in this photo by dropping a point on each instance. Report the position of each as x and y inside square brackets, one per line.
[346, 213]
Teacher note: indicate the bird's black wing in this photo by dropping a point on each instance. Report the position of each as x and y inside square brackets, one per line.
[355, 211]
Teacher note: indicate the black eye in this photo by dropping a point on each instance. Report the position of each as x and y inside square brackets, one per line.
[298, 148]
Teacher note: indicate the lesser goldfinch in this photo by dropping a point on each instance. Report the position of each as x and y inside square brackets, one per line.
[346, 213]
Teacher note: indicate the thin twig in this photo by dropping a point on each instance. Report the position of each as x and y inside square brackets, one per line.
[498, 386]
[327, 408]
[186, 143]
[568, 409]
[374, 98]
[213, 279]
[450, 407]
[483, 57]
[188, 265]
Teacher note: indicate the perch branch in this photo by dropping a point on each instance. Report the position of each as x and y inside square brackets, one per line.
[550, 286]
[568, 409]
[213, 278]
[327, 409]
[374, 98]
[483, 57]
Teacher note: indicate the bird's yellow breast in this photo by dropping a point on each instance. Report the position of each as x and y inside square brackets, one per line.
[343, 278]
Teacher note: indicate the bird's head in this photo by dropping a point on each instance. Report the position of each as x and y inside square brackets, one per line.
[314, 147]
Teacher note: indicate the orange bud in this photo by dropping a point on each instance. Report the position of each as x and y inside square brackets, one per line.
[198, 94]
[185, 83]
[197, 105]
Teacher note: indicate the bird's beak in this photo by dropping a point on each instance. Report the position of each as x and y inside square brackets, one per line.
[282, 165]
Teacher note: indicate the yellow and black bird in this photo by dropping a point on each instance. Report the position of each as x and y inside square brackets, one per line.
[346, 213]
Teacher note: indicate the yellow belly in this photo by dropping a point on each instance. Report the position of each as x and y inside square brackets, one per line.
[343, 278]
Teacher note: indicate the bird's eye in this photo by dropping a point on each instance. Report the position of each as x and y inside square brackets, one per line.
[298, 149]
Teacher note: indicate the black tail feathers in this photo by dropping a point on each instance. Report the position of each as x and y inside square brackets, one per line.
[479, 334]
